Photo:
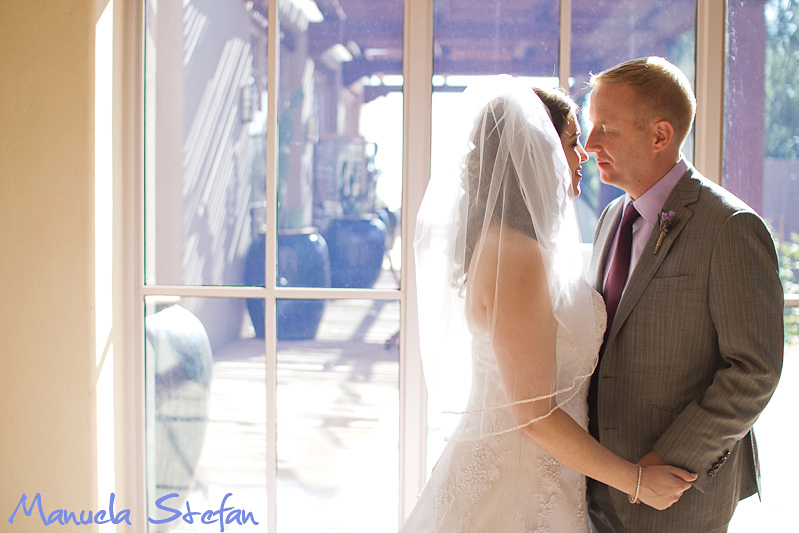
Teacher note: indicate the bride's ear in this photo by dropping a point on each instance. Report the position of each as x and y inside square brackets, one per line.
[663, 133]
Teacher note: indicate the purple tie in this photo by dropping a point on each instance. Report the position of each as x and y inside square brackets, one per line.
[620, 266]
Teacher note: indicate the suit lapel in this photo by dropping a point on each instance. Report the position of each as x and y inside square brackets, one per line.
[685, 193]
[603, 241]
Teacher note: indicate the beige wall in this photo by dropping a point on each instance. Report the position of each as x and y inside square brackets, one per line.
[47, 344]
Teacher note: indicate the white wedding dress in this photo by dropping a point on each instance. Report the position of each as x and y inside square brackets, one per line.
[505, 483]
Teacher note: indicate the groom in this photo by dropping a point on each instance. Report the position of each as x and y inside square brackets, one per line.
[694, 345]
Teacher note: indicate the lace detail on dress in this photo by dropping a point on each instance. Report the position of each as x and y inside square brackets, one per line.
[582, 516]
[582, 513]
[600, 314]
[549, 470]
[472, 482]
[443, 501]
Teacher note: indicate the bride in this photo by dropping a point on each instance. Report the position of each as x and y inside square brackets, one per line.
[504, 271]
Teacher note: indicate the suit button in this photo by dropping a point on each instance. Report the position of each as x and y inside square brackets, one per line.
[722, 459]
[716, 466]
[711, 473]
[727, 453]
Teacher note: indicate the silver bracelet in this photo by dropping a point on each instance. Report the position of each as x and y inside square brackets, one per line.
[637, 488]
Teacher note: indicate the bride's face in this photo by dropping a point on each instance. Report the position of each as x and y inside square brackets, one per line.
[575, 153]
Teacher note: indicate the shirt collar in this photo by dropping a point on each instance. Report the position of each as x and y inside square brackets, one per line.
[652, 201]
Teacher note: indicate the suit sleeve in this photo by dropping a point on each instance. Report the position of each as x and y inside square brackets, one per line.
[746, 306]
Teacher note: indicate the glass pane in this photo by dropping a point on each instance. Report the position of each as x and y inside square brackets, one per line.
[205, 413]
[338, 422]
[340, 142]
[775, 510]
[205, 80]
[761, 134]
[606, 33]
[484, 37]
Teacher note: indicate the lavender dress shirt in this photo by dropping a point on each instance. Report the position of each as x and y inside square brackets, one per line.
[649, 206]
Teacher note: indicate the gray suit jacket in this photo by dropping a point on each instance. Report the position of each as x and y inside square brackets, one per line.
[694, 353]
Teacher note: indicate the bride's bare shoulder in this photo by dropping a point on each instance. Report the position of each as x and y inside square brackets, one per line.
[503, 257]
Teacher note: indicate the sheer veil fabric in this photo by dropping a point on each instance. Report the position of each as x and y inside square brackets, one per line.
[475, 236]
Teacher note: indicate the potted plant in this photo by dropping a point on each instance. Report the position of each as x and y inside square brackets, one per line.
[302, 253]
[357, 237]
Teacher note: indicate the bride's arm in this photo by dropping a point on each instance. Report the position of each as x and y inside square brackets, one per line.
[516, 309]
[561, 437]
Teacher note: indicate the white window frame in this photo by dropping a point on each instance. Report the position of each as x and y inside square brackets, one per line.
[128, 78]
[418, 42]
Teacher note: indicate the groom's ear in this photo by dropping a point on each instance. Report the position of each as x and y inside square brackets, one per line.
[663, 133]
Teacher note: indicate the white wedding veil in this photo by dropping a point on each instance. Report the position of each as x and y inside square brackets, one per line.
[503, 305]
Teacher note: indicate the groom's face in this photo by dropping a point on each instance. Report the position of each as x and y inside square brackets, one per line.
[619, 145]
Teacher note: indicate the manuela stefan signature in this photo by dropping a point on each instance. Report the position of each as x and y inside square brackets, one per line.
[225, 515]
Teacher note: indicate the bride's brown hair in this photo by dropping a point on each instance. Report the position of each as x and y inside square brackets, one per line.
[511, 206]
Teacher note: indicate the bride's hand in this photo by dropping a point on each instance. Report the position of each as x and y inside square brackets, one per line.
[662, 485]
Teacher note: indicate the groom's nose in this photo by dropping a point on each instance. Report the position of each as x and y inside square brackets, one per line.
[590, 143]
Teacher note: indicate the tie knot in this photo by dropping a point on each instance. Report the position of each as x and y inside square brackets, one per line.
[630, 215]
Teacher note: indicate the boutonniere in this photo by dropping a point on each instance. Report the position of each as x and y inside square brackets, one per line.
[667, 220]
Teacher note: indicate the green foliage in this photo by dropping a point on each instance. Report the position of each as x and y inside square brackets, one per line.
[782, 127]
[788, 252]
[782, 78]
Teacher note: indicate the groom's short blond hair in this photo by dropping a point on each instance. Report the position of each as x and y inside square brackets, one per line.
[662, 90]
